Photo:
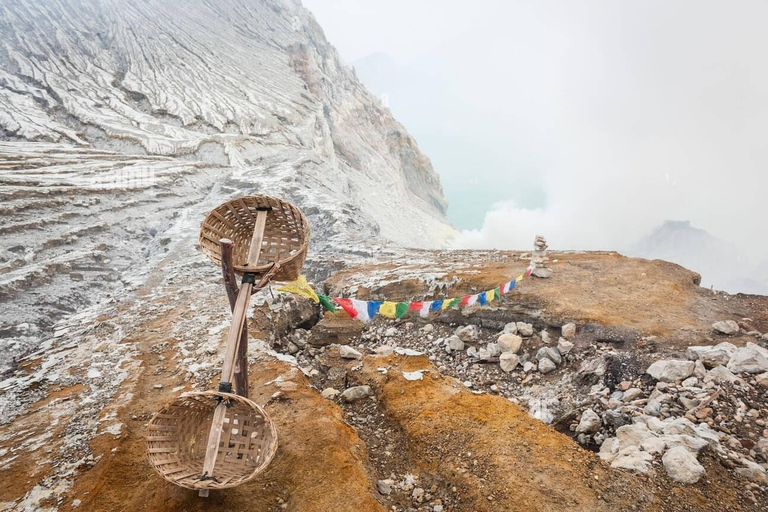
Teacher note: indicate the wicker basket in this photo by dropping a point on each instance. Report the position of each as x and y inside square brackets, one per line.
[286, 235]
[177, 437]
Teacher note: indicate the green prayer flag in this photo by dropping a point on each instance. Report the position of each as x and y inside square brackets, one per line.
[401, 309]
[327, 303]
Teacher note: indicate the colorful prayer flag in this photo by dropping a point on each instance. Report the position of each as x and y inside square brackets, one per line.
[481, 299]
[326, 303]
[361, 306]
[426, 307]
[300, 287]
[373, 308]
[388, 309]
[401, 309]
[346, 305]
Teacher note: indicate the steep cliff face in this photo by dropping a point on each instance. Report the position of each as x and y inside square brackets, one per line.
[252, 85]
[122, 122]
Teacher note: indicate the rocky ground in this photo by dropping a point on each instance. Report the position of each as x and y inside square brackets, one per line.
[568, 394]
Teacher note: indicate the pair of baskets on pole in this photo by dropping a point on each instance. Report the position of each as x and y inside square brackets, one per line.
[220, 439]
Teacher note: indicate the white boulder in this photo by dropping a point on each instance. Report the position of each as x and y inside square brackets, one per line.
[749, 359]
[671, 370]
[726, 327]
[510, 343]
[682, 466]
[568, 331]
[524, 329]
[589, 422]
[508, 361]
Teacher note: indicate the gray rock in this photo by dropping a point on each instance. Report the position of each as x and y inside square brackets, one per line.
[510, 343]
[564, 346]
[690, 382]
[529, 366]
[384, 350]
[632, 394]
[609, 449]
[682, 466]
[524, 329]
[454, 344]
[633, 460]
[494, 349]
[633, 435]
[385, 486]
[720, 374]
[391, 331]
[616, 419]
[427, 328]
[510, 328]
[467, 332]
[568, 331]
[748, 359]
[671, 370]
[591, 371]
[348, 352]
[726, 327]
[699, 370]
[330, 393]
[356, 393]
[546, 366]
[753, 472]
[589, 423]
[653, 407]
[544, 336]
[508, 361]
[550, 353]
[762, 380]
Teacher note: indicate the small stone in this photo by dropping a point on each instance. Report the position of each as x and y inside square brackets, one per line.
[528, 366]
[549, 353]
[347, 352]
[508, 361]
[524, 329]
[76, 503]
[623, 385]
[726, 327]
[428, 328]
[418, 495]
[390, 332]
[454, 344]
[568, 331]
[356, 393]
[467, 332]
[384, 350]
[385, 486]
[753, 472]
[493, 349]
[330, 393]
[633, 461]
[158, 386]
[682, 466]
[564, 346]
[510, 328]
[544, 336]
[762, 380]
[510, 343]
[546, 366]
[589, 422]
[632, 394]
[690, 382]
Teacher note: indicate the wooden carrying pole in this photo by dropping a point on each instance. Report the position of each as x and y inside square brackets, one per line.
[235, 333]
[240, 379]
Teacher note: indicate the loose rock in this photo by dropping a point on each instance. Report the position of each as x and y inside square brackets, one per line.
[568, 331]
[546, 366]
[510, 343]
[589, 422]
[356, 393]
[682, 466]
[671, 370]
[726, 327]
[508, 361]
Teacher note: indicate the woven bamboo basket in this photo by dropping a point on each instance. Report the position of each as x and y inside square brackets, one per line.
[177, 437]
[286, 235]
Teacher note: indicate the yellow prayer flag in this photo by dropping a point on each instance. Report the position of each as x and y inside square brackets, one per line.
[388, 309]
[490, 294]
[518, 279]
[300, 287]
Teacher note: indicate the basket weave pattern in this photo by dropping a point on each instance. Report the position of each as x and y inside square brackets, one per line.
[286, 235]
[178, 434]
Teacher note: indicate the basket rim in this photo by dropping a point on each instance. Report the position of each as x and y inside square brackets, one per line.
[212, 484]
[260, 269]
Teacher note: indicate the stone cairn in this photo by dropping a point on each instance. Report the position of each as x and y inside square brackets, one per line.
[539, 258]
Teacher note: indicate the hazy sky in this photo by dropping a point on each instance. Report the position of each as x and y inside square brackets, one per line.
[589, 122]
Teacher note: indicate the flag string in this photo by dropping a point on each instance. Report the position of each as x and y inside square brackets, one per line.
[366, 310]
